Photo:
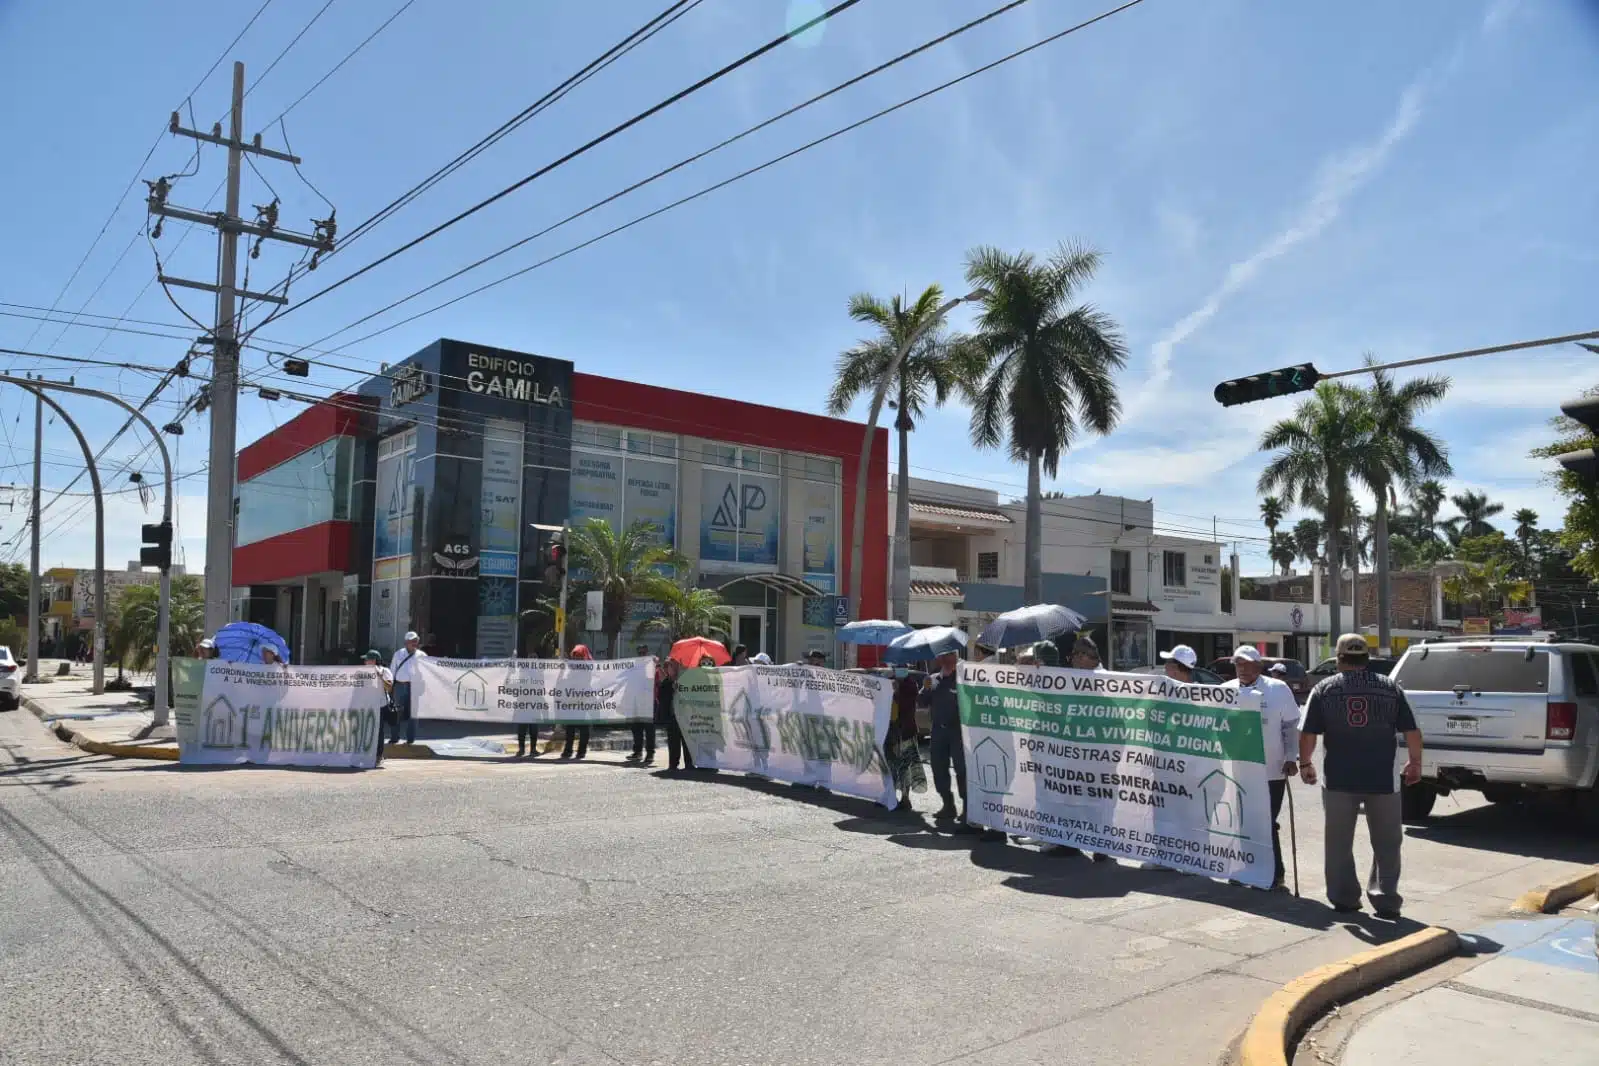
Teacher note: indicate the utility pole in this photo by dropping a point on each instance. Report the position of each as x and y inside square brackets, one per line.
[225, 352]
[32, 676]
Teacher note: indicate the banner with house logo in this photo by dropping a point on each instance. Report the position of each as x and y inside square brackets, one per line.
[284, 716]
[1131, 765]
[593, 691]
[791, 723]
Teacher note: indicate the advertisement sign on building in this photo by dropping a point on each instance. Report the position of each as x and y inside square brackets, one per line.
[651, 496]
[511, 378]
[597, 488]
[499, 534]
[396, 478]
[820, 526]
[738, 517]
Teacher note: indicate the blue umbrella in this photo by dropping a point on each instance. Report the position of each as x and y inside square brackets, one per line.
[241, 642]
[1029, 625]
[922, 644]
[874, 631]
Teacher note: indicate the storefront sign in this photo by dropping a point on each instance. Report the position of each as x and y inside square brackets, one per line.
[791, 723]
[650, 495]
[820, 526]
[499, 533]
[1133, 765]
[600, 691]
[511, 379]
[597, 488]
[286, 716]
[408, 384]
[738, 517]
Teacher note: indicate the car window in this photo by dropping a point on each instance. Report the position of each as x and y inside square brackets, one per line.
[1582, 669]
[1478, 668]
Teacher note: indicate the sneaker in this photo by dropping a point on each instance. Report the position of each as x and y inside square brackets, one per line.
[1346, 908]
[1389, 914]
[1102, 858]
[648, 760]
[633, 757]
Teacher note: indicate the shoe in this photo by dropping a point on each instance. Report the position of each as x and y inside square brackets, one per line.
[1102, 858]
[648, 760]
[566, 755]
[946, 813]
[1346, 908]
[1388, 914]
[634, 757]
[582, 755]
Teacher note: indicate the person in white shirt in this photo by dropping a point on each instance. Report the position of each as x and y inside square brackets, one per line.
[386, 678]
[1279, 723]
[403, 666]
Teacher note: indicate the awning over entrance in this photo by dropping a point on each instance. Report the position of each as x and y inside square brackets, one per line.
[968, 512]
[793, 586]
[1132, 607]
[936, 589]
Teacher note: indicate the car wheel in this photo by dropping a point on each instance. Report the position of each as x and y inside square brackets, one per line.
[9, 703]
[1415, 802]
[1503, 794]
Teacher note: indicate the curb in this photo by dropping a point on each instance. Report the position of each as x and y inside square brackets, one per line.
[1549, 899]
[408, 751]
[1290, 1009]
[120, 751]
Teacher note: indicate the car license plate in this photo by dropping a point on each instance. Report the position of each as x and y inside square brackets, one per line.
[1461, 726]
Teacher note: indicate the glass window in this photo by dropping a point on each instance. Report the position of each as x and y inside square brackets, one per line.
[1587, 682]
[1121, 572]
[721, 455]
[663, 446]
[988, 566]
[311, 488]
[1480, 668]
[638, 443]
[819, 469]
[1176, 569]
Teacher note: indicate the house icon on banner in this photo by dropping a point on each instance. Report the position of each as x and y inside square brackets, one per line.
[1223, 799]
[471, 691]
[217, 727]
[992, 766]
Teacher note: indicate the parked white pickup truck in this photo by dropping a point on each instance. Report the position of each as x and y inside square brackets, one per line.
[1506, 716]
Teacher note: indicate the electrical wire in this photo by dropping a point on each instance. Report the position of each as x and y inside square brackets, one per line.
[681, 94]
[351, 54]
[259, 78]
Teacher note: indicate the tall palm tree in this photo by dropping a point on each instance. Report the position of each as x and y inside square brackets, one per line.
[1475, 509]
[1319, 451]
[1402, 454]
[1526, 520]
[686, 612]
[1307, 540]
[1051, 369]
[935, 368]
[1282, 551]
[624, 566]
[1271, 513]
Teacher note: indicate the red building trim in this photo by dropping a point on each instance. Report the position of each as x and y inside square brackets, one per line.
[313, 550]
[338, 416]
[636, 406]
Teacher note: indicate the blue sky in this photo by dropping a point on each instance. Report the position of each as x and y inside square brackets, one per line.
[1270, 183]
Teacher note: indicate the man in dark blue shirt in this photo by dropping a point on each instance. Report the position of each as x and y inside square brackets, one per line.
[940, 697]
[1359, 712]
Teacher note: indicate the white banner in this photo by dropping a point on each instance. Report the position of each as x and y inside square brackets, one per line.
[1133, 765]
[595, 691]
[285, 716]
[791, 723]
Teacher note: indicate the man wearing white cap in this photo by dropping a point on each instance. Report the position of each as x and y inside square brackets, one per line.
[403, 666]
[1279, 729]
[1180, 663]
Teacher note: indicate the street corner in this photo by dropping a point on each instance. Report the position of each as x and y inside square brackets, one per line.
[1289, 1011]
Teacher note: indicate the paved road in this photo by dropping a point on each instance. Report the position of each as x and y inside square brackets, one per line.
[495, 912]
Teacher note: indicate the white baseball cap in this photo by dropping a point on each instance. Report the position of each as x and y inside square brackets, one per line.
[1246, 653]
[411, 635]
[1183, 654]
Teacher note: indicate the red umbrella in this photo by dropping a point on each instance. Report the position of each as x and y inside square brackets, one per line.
[690, 650]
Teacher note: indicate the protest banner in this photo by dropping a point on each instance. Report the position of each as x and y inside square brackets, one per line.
[188, 684]
[591, 691]
[790, 723]
[285, 716]
[1132, 765]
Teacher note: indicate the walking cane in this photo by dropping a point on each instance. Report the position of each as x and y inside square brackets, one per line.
[1293, 833]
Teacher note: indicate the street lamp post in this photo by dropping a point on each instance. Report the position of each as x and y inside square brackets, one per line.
[879, 395]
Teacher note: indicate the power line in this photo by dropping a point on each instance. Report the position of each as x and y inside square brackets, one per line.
[259, 78]
[613, 231]
[681, 94]
[351, 54]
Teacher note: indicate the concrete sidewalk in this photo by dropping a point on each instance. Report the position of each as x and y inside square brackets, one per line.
[1530, 997]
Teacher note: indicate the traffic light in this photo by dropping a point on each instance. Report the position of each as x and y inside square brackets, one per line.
[555, 559]
[1301, 378]
[1584, 462]
[157, 548]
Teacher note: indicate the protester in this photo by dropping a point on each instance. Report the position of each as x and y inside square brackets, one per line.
[938, 694]
[1279, 724]
[1026, 658]
[707, 663]
[762, 659]
[1046, 653]
[373, 659]
[206, 649]
[403, 666]
[741, 656]
[1180, 663]
[1085, 653]
[816, 657]
[578, 732]
[269, 656]
[903, 744]
[1358, 712]
[644, 732]
[666, 715]
[1278, 670]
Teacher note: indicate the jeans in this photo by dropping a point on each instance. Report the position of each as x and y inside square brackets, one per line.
[676, 743]
[579, 733]
[643, 739]
[947, 751]
[1384, 822]
[402, 709]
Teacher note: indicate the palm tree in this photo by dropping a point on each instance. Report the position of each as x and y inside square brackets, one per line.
[624, 566]
[1271, 513]
[1526, 521]
[1319, 451]
[136, 628]
[1475, 509]
[1491, 584]
[686, 612]
[938, 365]
[1282, 551]
[1051, 369]
[1307, 540]
[1402, 453]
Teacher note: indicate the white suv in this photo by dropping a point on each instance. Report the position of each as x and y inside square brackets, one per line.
[10, 681]
[1508, 717]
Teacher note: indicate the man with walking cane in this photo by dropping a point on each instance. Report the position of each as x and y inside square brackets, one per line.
[1279, 727]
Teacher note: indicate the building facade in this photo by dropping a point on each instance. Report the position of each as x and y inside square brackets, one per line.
[415, 501]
